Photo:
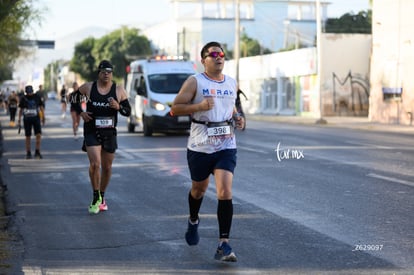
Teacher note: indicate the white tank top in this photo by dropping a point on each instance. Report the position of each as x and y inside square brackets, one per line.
[224, 93]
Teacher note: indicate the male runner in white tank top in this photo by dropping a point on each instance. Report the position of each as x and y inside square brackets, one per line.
[210, 98]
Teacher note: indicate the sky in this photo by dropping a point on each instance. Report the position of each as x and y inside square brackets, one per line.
[61, 18]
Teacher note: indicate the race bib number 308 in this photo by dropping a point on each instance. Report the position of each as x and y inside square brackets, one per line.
[219, 131]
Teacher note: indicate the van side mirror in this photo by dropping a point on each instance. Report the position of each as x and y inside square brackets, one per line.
[140, 87]
[141, 91]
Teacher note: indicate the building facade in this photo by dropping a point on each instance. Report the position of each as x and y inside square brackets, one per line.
[392, 62]
[286, 83]
[275, 24]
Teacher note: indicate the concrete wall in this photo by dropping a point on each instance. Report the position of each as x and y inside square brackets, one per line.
[345, 74]
[392, 63]
[269, 81]
[285, 83]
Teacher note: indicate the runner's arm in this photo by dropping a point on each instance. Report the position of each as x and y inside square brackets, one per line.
[182, 102]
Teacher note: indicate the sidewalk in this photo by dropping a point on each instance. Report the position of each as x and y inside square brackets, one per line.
[361, 123]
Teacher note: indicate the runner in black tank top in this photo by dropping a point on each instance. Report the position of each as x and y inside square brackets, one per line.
[73, 113]
[98, 105]
[105, 100]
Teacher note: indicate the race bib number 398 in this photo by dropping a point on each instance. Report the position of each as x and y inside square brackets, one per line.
[219, 131]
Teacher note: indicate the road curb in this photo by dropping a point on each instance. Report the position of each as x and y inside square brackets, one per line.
[360, 123]
[8, 251]
[4, 238]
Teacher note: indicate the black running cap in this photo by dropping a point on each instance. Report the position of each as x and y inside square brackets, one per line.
[105, 64]
[28, 89]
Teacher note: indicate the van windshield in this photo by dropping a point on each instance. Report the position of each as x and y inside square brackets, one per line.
[166, 83]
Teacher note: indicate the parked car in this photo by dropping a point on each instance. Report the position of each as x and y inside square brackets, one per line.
[52, 95]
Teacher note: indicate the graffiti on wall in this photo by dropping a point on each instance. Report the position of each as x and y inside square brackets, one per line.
[350, 96]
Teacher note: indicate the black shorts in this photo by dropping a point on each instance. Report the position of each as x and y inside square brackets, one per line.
[106, 138]
[32, 122]
[202, 165]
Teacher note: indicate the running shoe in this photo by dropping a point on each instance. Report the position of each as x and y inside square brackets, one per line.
[103, 206]
[191, 236]
[38, 155]
[224, 253]
[94, 207]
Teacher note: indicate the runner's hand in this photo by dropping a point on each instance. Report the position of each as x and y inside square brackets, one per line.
[86, 116]
[239, 121]
[207, 103]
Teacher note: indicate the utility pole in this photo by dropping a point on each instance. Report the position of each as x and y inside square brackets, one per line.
[184, 54]
[237, 40]
[319, 61]
[52, 77]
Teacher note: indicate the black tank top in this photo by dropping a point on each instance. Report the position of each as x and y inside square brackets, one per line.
[98, 105]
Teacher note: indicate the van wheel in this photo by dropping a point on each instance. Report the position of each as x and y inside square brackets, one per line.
[146, 128]
[131, 127]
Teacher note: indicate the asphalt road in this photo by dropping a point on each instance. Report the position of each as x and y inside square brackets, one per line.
[307, 200]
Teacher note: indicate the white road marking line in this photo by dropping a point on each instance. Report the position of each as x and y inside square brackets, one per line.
[370, 145]
[255, 150]
[373, 175]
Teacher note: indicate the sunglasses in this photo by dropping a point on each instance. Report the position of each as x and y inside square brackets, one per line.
[106, 70]
[215, 54]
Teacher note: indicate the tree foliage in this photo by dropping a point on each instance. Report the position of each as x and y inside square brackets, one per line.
[51, 75]
[119, 47]
[350, 23]
[249, 47]
[83, 61]
[15, 17]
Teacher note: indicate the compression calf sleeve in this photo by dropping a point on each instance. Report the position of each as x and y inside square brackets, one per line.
[224, 217]
[95, 196]
[194, 207]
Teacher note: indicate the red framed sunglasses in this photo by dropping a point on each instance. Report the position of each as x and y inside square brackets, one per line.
[215, 54]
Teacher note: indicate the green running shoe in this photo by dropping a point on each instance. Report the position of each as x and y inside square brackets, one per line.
[94, 207]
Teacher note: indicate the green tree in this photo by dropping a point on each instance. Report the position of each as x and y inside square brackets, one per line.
[15, 17]
[119, 46]
[249, 47]
[83, 61]
[51, 74]
[350, 23]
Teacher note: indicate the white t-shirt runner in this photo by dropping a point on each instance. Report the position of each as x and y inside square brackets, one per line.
[213, 138]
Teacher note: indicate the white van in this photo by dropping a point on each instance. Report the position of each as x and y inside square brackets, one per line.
[152, 85]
